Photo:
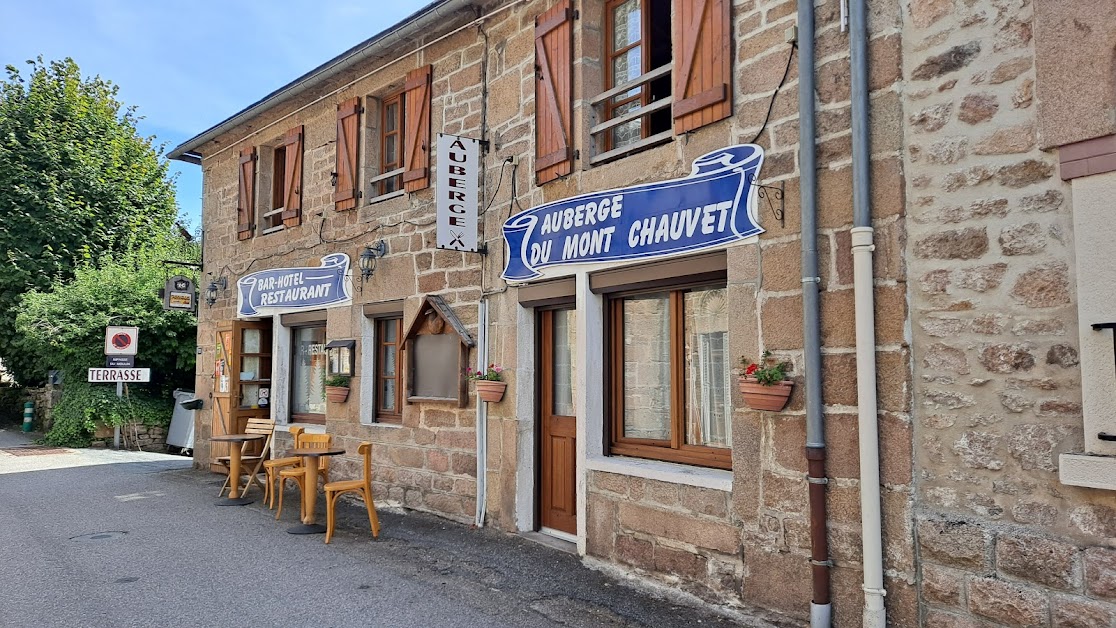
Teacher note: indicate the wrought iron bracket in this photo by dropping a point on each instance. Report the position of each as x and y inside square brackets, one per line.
[774, 194]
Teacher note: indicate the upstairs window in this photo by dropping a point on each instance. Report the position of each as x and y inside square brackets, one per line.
[391, 145]
[638, 43]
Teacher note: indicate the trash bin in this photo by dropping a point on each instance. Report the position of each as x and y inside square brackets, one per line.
[181, 432]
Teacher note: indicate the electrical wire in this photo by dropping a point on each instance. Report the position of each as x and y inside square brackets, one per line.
[771, 103]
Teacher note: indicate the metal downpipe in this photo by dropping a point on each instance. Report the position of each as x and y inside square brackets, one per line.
[875, 615]
[820, 605]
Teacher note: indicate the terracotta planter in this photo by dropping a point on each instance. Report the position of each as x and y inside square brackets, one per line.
[337, 394]
[769, 398]
[489, 390]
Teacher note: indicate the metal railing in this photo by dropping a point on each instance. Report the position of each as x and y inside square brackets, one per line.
[598, 132]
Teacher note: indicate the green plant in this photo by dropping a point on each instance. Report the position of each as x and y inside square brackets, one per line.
[84, 405]
[492, 374]
[767, 371]
[340, 381]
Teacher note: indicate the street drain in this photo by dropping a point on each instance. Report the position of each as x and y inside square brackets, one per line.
[99, 536]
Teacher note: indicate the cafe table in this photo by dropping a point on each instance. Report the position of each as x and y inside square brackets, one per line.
[236, 443]
[310, 457]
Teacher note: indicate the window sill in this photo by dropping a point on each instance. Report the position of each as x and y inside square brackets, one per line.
[715, 479]
[394, 426]
[1087, 470]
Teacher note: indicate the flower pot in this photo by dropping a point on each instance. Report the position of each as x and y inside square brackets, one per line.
[770, 398]
[490, 390]
[337, 394]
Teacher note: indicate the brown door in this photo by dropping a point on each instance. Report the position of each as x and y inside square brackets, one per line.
[558, 429]
[242, 381]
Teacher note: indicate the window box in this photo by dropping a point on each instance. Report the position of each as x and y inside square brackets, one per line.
[768, 398]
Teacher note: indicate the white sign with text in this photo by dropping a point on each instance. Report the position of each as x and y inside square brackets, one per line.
[458, 165]
[111, 376]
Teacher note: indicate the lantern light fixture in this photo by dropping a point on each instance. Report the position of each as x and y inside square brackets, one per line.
[368, 257]
[220, 283]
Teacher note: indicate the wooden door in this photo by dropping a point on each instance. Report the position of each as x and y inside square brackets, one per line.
[241, 371]
[222, 391]
[558, 425]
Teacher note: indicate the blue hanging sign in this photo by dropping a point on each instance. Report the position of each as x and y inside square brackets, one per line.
[292, 289]
[713, 206]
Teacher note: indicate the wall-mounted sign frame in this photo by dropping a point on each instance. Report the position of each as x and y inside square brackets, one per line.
[280, 290]
[179, 294]
[458, 170]
[712, 207]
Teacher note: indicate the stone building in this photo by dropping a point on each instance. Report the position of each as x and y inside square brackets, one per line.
[938, 317]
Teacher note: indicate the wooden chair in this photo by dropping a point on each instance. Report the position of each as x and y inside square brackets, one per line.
[333, 491]
[250, 464]
[273, 466]
[322, 441]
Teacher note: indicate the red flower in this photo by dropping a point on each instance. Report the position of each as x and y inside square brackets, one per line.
[752, 368]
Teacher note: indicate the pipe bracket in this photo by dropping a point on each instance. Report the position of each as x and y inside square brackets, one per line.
[811, 280]
[817, 480]
[822, 563]
[871, 591]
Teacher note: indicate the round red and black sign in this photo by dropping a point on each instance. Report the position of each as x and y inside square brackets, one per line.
[121, 341]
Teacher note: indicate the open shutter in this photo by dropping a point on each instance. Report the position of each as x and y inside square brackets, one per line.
[246, 198]
[345, 192]
[703, 74]
[553, 93]
[292, 178]
[416, 138]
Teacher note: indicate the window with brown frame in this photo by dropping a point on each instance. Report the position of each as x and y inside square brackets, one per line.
[389, 379]
[273, 217]
[669, 376]
[391, 142]
[637, 41]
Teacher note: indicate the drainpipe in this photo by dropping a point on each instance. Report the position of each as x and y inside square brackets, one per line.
[482, 414]
[874, 613]
[820, 605]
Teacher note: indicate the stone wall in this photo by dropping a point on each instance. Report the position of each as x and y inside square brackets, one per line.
[994, 327]
[749, 545]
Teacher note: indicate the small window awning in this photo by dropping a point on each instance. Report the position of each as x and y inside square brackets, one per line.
[340, 344]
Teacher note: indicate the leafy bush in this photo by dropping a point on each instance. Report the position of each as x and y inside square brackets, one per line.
[83, 406]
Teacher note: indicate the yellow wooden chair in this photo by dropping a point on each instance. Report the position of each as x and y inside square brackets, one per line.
[333, 491]
[250, 464]
[272, 467]
[321, 441]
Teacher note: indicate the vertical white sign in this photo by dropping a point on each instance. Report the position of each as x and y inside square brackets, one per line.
[458, 165]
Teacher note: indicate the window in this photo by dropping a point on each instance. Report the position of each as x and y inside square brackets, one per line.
[273, 218]
[308, 373]
[670, 376]
[389, 380]
[391, 145]
[637, 42]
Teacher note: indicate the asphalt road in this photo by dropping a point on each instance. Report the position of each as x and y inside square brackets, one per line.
[142, 544]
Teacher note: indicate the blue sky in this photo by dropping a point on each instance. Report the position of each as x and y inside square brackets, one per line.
[189, 65]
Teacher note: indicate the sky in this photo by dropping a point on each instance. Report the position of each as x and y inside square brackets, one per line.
[187, 66]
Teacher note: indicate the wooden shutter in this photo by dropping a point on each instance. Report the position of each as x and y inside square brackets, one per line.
[703, 58]
[345, 192]
[416, 138]
[553, 93]
[246, 198]
[292, 178]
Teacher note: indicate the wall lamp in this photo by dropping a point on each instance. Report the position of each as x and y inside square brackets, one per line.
[211, 290]
[368, 257]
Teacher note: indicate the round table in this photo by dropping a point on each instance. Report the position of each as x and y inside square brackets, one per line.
[310, 457]
[234, 465]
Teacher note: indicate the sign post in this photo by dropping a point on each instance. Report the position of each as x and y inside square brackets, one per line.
[120, 350]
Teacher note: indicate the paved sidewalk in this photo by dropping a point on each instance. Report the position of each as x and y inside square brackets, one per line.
[143, 544]
[63, 457]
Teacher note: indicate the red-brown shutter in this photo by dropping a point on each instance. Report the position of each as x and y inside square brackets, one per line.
[553, 93]
[292, 178]
[345, 192]
[703, 54]
[416, 138]
[246, 198]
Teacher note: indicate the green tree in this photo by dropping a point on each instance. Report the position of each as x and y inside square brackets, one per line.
[77, 183]
[64, 328]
